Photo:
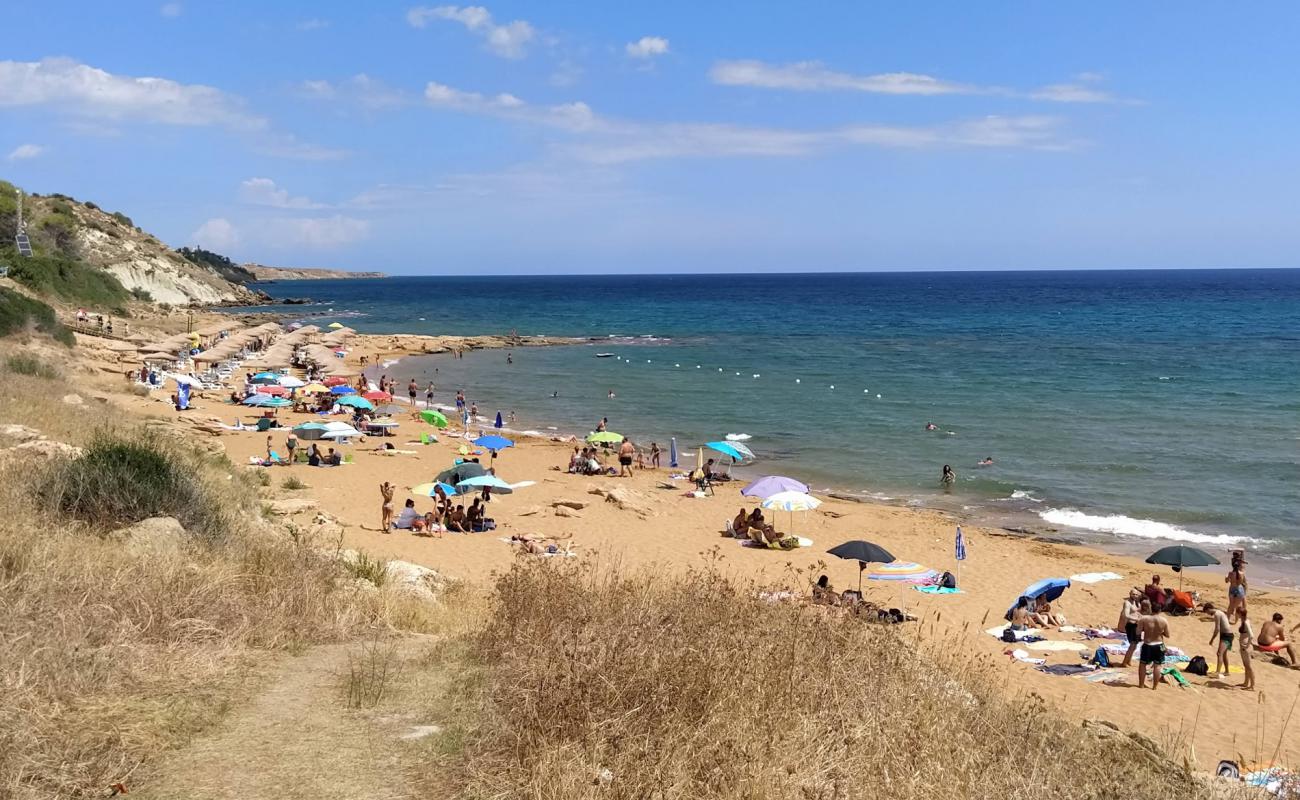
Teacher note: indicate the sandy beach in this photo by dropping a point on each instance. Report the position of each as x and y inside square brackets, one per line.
[667, 528]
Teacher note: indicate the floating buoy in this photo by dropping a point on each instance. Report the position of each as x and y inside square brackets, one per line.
[796, 380]
[877, 397]
[755, 374]
[676, 365]
[832, 386]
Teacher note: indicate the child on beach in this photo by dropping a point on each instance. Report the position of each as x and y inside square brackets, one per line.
[1222, 632]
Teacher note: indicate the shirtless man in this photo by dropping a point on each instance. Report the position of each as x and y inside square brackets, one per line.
[386, 511]
[1272, 638]
[1236, 581]
[1020, 615]
[740, 525]
[1128, 617]
[626, 452]
[1154, 629]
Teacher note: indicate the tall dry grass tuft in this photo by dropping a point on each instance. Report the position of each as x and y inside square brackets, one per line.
[110, 656]
[652, 684]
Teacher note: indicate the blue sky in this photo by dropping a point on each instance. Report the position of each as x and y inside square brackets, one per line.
[668, 137]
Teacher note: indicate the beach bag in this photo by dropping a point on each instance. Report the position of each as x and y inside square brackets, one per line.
[1008, 635]
[1198, 666]
[948, 581]
[1100, 658]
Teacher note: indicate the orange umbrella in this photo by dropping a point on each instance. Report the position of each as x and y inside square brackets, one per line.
[381, 397]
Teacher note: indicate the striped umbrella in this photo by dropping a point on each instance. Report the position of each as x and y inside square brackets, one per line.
[902, 571]
[792, 502]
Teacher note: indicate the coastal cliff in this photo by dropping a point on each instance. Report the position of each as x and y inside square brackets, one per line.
[263, 273]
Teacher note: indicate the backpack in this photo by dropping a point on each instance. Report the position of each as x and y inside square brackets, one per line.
[1008, 635]
[1198, 666]
[948, 581]
[1100, 658]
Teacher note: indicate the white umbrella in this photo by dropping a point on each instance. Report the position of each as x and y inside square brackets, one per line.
[339, 430]
[290, 382]
[792, 502]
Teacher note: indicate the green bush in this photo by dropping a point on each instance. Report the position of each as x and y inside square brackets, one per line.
[19, 313]
[25, 364]
[70, 280]
[367, 567]
[119, 481]
[123, 218]
[142, 294]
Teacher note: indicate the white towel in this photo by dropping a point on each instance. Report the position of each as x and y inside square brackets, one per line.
[1096, 577]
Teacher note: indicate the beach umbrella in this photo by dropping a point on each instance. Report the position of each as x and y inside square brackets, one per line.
[460, 472]
[339, 430]
[315, 388]
[498, 424]
[862, 552]
[1050, 588]
[435, 418]
[604, 437]
[356, 402]
[335, 380]
[335, 325]
[1179, 556]
[274, 391]
[493, 443]
[147, 357]
[902, 571]
[494, 483]
[672, 452]
[258, 399]
[430, 489]
[769, 485]
[792, 502]
[378, 397]
[290, 382]
[266, 377]
[727, 449]
[342, 388]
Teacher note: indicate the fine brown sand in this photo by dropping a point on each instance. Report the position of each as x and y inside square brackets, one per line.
[1216, 718]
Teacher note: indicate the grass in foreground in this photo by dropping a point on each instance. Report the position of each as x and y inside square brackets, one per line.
[594, 684]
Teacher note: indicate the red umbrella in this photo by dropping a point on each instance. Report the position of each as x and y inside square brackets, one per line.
[275, 391]
[335, 380]
[378, 397]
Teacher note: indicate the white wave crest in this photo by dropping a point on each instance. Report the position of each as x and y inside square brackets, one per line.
[739, 437]
[1021, 494]
[1128, 526]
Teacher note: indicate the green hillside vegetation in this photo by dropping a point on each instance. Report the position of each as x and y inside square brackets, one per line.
[219, 264]
[19, 313]
[67, 279]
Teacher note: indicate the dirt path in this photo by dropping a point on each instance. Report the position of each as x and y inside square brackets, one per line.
[298, 739]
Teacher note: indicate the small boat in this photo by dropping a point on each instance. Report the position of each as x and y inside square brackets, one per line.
[604, 355]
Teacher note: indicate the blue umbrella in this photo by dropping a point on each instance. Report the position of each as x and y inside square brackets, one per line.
[499, 424]
[1050, 588]
[258, 400]
[727, 449]
[672, 452]
[493, 442]
[356, 402]
[342, 390]
[497, 485]
[266, 377]
[769, 485]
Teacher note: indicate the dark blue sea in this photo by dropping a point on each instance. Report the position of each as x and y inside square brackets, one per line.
[1138, 405]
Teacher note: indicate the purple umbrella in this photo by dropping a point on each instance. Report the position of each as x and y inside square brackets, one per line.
[769, 485]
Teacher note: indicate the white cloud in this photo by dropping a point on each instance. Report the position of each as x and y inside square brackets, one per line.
[25, 151]
[576, 116]
[507, 41]
[1073, 93]
[647, 47]
[313, 24]
[289, 146]
[264, 192]
[359, 90]
[808, 76]
[320, 233]
[170, 10]
[83, 90]
[216, 234]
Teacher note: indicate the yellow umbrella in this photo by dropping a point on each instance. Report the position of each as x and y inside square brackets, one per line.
[314, 388]
[336, 325]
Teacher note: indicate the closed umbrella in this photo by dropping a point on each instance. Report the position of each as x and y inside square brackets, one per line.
[1179, 556]
[499, 424]
[862, 552]
[672, 452]
[769, 485]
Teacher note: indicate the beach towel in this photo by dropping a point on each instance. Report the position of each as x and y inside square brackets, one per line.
[1096, 577]
[1033, 633]
[1021, 655]
[1058, 646]
[937, 590]
[1066, 669]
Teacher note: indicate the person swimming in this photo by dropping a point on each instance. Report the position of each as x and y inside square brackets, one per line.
[949, 477]
[930, 426]
[987, 462]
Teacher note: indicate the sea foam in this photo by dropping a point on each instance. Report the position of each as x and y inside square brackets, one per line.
[1128, 526]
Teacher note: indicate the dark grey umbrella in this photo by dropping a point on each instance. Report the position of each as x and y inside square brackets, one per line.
[1179, 556]
[864, 553]
[461, 472]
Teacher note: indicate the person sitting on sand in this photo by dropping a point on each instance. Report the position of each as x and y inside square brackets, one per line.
[1155, 593]
[1043, 615]
[1020, 618]
[823, 594]
[575, 462]
[313, 455]
[456, 520]
[333, 459]
[407, 517]
[1272, 638]
[474, 516]
[740, 525]
[708, 469]
[758, 522]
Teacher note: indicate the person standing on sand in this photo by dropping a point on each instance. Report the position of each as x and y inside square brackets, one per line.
[270, 450]
[626, 451]
[386, 511]
[1128, 617]
[291, 444]
[412, 391]
[654, 455]
[1236, 581]
[428, 395]
[1154, 629]
[1246, 640]
[1222, 632]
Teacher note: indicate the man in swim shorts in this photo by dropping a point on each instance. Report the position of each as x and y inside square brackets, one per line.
[1272, 638]
[1128, 617]
[1154, 629]
[625, 453]
[1222, 632]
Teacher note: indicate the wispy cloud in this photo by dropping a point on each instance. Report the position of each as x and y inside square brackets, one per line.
[360, 90]
[313, 24]
[291, 147]
[82, 90]
[316, 233]
[25, 151]
[813, 76]
[217, 234]
[508, 41]
[265, 192]
[647, 47]
[603, 140]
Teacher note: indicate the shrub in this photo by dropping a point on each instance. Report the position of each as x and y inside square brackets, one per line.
[30, 365]
[142, 295]
[123, 218]
[364, 566]
[70, 280]
[118, 481]
[19, 313]
[292, 483]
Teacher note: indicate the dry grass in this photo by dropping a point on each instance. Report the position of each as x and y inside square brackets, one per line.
[107, 657]
[655, 685]
[371, 669]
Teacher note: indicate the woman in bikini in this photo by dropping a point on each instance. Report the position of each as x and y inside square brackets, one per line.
[386, 511]
[1236, 581]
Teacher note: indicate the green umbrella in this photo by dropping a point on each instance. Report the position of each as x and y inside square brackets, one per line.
[605, 437]
[434, 418]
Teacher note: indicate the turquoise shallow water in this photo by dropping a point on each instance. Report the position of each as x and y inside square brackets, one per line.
[1139, 405]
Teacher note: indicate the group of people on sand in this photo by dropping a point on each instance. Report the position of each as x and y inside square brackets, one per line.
[445, 516]
[1142, 617]
[1039, 615]
[754, 526]
[823, 594]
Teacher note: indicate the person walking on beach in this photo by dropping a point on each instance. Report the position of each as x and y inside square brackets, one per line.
[654, 455]
[1154, 629]
[1222, 632]
[412, 391]
[428, 395]
[1236, 581]
[1128, 617]
[386, 511]
[460, 399]
[626, 451]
